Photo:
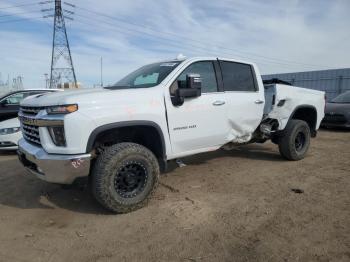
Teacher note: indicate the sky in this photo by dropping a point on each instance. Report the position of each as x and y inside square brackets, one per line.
[278, 35]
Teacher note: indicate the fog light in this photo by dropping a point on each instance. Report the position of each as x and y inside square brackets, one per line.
[57, 135]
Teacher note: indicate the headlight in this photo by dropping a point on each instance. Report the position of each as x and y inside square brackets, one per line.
[65, 109]
[8, 131]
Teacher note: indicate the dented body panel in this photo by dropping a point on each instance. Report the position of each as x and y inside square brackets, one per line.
[289, 98]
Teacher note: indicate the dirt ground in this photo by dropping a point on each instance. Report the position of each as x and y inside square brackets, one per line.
[223, 206]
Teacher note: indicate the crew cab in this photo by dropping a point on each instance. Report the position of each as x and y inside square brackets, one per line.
[122, 136]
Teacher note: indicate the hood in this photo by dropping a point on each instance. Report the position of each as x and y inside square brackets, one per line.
[97, 97]
[58, 98]
[14, 122]
[337, 108]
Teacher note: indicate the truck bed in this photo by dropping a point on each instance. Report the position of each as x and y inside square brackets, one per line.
[281, 101]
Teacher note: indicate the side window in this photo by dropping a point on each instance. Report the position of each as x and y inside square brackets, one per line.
[15, 99]
[207, 73]
[237, 77]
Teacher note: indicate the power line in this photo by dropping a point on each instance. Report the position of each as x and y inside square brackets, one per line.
[18, 20]
[176, 43]
[20, 5]
[21, 13]
[198, 49]
[267, 60]
[200, 42]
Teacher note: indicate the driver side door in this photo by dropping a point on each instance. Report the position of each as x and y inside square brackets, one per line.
[200, 122]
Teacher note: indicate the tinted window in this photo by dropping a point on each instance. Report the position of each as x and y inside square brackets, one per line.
[237, 77]
[206, 71]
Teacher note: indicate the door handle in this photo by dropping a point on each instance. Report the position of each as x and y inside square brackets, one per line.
[259, 101]
[219, 103]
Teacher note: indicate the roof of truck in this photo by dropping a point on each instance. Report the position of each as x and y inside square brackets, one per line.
[200, 58]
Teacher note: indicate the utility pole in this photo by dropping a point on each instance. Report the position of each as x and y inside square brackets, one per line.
[62, 68]
[47, 80]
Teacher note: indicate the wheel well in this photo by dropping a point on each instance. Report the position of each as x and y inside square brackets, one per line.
[307, 114]
[146, 135]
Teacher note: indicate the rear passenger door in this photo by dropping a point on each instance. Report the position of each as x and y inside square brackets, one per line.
[245, 102]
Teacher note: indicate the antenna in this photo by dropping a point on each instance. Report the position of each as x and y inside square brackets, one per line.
[61, 64]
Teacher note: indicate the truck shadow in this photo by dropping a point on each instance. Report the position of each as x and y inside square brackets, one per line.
[252, 151]
[21, 190]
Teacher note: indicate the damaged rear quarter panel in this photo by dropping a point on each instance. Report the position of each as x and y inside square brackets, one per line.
[296, 97]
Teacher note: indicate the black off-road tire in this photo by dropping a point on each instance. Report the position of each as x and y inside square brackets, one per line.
[106, 174]
[295, 141]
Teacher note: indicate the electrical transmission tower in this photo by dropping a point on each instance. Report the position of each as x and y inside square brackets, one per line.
[62, 69]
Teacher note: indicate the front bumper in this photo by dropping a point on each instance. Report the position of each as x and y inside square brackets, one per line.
[58, 169]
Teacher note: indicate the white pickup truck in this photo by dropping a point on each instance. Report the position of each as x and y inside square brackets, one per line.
[122, 136]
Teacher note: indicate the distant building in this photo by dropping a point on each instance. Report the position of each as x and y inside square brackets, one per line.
[68, 86]
[5, 87]
[333, 82]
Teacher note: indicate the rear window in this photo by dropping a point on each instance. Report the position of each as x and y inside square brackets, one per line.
[237, 76]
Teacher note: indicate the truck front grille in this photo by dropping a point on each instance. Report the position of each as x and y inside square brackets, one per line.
[30, 111]
[31, 133]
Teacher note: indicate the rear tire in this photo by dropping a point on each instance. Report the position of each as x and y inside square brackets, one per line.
[295, 141]
[124, 177]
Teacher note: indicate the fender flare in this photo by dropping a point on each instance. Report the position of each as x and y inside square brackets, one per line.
[313, 132]
[100, 129]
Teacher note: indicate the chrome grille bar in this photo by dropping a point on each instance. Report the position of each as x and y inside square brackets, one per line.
[33, 111]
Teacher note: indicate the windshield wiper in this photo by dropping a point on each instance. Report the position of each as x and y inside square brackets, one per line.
[118, 87]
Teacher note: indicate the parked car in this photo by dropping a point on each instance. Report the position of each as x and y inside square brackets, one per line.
[122, 136]
[10, 132]
[338, 112]
[9, 103]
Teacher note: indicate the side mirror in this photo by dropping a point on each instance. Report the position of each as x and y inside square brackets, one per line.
[194, 81]
[191, 88]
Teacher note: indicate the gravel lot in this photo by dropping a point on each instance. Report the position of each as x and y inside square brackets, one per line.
[223, 206]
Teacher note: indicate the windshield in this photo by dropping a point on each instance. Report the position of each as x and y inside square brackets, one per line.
[146, 76]
[343, 98]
